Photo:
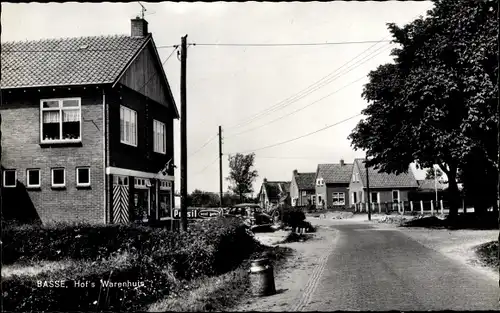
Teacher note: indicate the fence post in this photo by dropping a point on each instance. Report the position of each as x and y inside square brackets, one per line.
[399, 208]
[411, 206]
[402, 207]
[422, 207]
[442, 209]
[379, 208]
[432, 207]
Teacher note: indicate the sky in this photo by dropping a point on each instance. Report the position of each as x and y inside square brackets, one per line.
[244, 88]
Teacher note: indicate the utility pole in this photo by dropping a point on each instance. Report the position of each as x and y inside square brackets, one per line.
[368, 190]
[183, 135]
[220, 164]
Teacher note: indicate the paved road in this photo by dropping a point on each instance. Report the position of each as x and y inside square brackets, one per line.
[382, 269]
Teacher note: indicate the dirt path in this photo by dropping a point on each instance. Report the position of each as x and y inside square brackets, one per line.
[299, 277]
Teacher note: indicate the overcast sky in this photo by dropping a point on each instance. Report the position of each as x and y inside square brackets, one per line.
[228, 85]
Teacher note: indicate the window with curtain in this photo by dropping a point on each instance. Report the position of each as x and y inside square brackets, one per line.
[338, 198]
[61, 120]
[159, 139]
[128, 126]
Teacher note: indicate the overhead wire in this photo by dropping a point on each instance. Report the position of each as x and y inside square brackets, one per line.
[204, 145]
[284, 44]
[325, 80]
[306, 106]
[206, 167]
[300, 137]
[155, 73]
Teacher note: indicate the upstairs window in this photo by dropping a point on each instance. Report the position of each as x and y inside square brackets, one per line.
[9, 178]
[128, 126]
[160, 137]
[61, 120]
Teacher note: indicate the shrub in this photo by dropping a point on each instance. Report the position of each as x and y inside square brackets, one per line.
[293, 217]
[155, 256]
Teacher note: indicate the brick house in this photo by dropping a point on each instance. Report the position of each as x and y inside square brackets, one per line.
[274, 193]
[332, 185]
[302, 188]
[384, 188]
[87, 129]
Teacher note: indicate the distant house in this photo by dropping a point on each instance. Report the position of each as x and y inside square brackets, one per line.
[87, 130]
[273, 193]
[302, 188]
[332, 185]
[427, 190]
[390, 188]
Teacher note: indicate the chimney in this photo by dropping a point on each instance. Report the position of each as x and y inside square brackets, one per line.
[265, 180]
[295, 172]
[139, 27]
[342, 162]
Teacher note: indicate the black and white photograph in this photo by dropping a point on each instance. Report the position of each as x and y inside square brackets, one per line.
[250, 156]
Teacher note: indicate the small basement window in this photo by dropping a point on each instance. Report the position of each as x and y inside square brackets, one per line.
[9, 178]
[33, 178]
[58, 177]
[82, 176]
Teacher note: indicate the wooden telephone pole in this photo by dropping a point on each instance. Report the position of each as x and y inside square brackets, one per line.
[183, 135]
[220, 164]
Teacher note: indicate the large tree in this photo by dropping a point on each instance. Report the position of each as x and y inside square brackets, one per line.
[438, 101]
[241, 174]
[432, 173]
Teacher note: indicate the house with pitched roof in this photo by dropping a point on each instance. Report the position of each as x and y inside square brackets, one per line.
[332, 185]
[87, 128]
[302, 188]
[274, 193]
[384, 188]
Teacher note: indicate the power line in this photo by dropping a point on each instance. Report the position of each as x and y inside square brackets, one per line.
[310, 104]
[292, 158]
[206, 167]
[311, 88]
[284, 44]
[317, 82]
[300, 137]
[162, 64]
[204, 145]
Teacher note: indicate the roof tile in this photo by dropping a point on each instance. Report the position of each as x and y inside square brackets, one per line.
[385, 180]
[335, 173]
[67, 61]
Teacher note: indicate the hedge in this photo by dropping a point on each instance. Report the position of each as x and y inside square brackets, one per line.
[161, 259]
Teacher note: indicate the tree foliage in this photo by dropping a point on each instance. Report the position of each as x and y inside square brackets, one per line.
[241, 174]
[199, 198]
[438, 101]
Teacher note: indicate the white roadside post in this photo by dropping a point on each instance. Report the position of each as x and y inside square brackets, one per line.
[432, 207]
[411, 206]
[379, 208]
[442, 209]
[422, 207]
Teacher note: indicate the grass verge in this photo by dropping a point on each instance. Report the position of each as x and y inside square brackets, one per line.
[222, 292]
[488, 254]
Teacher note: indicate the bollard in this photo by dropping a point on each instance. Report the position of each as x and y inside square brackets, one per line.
[262, 278]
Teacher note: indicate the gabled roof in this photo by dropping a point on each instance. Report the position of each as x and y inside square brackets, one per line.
[72, 61]
[273, 189]
[335, 173]
[430, 184]
[68, 61]
[305, 181]
[384, 180]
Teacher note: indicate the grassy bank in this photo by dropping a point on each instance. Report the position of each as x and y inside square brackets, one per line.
[143, 264]
[221, 292]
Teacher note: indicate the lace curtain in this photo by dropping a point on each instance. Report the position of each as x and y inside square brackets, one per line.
[68, 116]
[51, 117]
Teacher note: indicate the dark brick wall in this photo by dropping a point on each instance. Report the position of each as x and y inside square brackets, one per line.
[22, 150]
[142, 157]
